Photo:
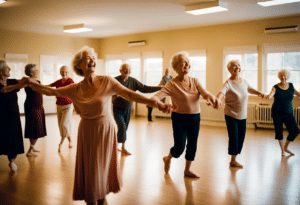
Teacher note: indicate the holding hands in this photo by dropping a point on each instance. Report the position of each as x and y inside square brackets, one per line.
[213, 101]
[166, 108]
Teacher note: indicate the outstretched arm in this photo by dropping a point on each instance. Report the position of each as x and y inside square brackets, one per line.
[271, 94]
[296, 93]
[256, 92]
[219, 99]
[21, 84]
[133, 96]
[43, 89]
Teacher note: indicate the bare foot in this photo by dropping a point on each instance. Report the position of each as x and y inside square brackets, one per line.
[167, 164]
[59, 147]
[235, 164]
[288, 151]
[35, 150]
[30, 154]
[70, 144]
[13, 167]
[188, 173]
[124, 151]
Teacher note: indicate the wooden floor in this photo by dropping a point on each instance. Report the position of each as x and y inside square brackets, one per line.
[267, 178]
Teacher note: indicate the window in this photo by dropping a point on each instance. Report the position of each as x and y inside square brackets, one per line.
[248, 57]
[279, 56]
[50, 66]
[153, 67]
[113, 64]
[198, 65]
[146, 67]
[134, 60]
[17, 63]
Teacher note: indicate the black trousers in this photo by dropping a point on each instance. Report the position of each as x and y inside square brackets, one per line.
[236, 133]
[290, 123]
[185, 128]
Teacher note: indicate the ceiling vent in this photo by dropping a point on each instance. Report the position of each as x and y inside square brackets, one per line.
[136, 43]
[281, 29]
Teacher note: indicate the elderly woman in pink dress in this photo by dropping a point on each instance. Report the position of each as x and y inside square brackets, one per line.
[96, 171]
[185, 92]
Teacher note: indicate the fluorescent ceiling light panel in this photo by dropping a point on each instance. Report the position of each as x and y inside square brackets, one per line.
[2, 1]
[205, 8]
[77, 28]
[275, 2]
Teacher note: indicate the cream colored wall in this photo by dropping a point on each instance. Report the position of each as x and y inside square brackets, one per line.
[211, 38]
[35, 44]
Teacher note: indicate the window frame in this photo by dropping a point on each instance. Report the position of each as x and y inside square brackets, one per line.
[275, 48]
[199, 53]
[240, 50]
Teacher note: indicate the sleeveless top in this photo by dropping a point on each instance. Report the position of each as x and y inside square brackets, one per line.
[283, 100]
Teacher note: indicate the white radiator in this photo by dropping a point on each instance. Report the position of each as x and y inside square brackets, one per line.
[264, 115]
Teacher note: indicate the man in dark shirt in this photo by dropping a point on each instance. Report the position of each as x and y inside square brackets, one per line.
[122, 108]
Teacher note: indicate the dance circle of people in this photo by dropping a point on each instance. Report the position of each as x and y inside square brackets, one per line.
[96, 168]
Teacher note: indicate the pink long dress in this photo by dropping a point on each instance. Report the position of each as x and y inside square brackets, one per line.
[96, 171]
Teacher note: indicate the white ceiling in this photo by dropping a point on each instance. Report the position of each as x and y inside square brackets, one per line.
[119, 17]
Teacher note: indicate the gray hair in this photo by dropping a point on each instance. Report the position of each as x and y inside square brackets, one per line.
[2, 62]
[284, 70]
[29, 68]
[78, 58]
[229, 64]
[175, 58]
[64, 67]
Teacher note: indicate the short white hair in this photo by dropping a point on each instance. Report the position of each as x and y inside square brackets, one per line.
[64, 67]
[284, 70]
[229, 64]
[175, 58]
[78, 58]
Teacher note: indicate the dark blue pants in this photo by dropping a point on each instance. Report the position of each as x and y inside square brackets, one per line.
[236, 133]
[150, 113]
[290, 123]
[185, 128]
[122, 118]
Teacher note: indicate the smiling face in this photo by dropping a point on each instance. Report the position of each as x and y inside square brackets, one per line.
[125, 70]
[88, 62]
[235, 69]
[64, 73]
[283, 76]
[183, 65]
[5, 71]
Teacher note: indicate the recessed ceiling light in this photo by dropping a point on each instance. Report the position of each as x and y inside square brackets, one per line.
[275, 2]
[77, 28]
[205, 8]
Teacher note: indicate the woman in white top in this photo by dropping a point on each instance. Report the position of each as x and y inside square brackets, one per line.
[185, 94]
[235, 90]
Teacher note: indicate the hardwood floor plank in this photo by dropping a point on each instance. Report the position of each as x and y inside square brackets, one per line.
[267, 178]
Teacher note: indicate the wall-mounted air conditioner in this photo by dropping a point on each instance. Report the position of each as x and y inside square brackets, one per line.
[136, 43]
[281, 29]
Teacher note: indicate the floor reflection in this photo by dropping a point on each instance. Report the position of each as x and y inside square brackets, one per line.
[233, 195]
[189, 190]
